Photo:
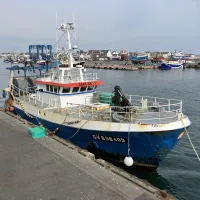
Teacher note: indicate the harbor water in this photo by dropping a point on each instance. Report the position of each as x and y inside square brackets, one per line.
[179, 173]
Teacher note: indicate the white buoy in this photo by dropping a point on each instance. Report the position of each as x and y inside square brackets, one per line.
[128, 161]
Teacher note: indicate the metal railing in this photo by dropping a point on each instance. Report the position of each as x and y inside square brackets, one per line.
[30, 95]
[72, 78]
[148, 102]
[144, 109]
[78, 77]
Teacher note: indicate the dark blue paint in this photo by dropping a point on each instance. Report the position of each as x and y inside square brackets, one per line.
[165, 66]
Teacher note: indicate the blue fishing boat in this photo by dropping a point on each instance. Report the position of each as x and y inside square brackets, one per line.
[136, 130]
[171, 65]
[139, 58]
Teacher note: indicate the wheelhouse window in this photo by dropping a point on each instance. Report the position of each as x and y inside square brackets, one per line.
[47, 87]
[90, 88]
[55, 89]
[75, 89]
[83, 89]
[66, 90]
[51, 88]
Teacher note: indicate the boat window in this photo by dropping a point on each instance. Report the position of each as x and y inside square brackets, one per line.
[66, 90]
[90, 88]
[83, 89]
[55, 89]
[75, 89]
[51, 88]
[47, 87]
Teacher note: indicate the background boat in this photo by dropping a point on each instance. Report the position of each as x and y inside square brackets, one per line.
[139, 58]
[172, 65]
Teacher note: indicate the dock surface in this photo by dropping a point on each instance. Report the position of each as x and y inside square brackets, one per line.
[44, 169]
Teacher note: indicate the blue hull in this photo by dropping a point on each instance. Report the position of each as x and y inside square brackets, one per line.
[165, 66]
[180, 58]
[146, 148]
[138, 58]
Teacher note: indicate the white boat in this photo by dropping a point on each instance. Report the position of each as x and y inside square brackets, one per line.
[136, 130]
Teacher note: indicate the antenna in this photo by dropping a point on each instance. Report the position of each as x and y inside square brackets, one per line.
[74, 26]
[56, 39]
[56, 31]
[75, 34]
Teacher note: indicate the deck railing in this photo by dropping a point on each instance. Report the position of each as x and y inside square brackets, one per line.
[125, 114]
[30, 95]
[78, 77]
[148, 102]
[72, 78]
[144, 109]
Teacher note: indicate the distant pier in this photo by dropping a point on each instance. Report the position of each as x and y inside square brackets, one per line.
[128, 66]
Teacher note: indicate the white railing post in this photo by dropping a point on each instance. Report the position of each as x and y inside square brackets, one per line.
[169, 104]
[92, 112]
[159, 108]
[110, 113]
[35, 98]
[181, 104]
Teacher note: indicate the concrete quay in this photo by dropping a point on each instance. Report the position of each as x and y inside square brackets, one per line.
[53, 169]
[117, 65]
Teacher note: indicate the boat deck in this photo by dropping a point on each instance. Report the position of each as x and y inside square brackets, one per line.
[111, 114]
[147, 117]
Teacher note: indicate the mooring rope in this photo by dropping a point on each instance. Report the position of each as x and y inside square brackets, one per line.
[56, 129]
[129, 138]
[77, 130]
[190, 140]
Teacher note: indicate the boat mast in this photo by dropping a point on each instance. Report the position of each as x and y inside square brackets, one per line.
[56, 40]
[66, 28]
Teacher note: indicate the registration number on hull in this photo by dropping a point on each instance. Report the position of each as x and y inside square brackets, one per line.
[109, 138]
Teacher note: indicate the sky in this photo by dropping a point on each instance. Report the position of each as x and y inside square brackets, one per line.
[134, 25]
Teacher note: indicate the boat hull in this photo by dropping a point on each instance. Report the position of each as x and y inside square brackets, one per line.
[148, 149]
[165, 66]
